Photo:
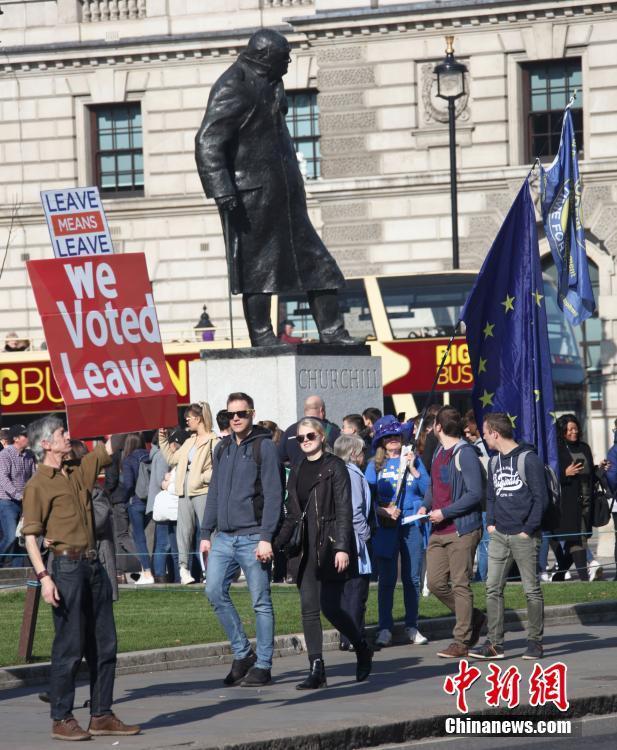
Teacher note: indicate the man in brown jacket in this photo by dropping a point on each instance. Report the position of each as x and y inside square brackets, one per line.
[57, 505]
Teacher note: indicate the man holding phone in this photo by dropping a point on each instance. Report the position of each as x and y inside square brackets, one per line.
[244, 507]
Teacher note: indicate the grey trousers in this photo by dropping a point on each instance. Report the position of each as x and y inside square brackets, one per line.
[190, 512]
[502, 550]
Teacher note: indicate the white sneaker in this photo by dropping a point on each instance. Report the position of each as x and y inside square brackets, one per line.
[186, 577]
[416, 637]
[595, 571]
[384, 638]
[144, 579]
[568, 576]
[546, 577]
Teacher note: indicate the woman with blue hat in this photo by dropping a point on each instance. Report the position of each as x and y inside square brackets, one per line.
[398, 481]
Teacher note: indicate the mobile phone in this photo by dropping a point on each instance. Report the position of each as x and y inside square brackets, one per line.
[579, 463]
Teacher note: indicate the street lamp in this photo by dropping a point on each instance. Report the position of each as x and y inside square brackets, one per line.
[451, 86]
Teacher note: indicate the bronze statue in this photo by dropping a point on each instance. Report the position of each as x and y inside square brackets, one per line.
[247, 163]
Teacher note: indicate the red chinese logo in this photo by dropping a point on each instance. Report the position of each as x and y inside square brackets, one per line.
[504, 686]
[460, 684]
[549, 686]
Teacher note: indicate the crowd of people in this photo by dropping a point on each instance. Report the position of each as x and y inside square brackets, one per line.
[327, 508]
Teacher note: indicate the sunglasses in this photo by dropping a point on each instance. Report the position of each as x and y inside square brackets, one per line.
[242, 414]
[309, 436]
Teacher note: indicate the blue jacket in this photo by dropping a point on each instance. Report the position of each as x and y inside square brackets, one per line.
[233, 488]
[611, 474]
[386, 538]
[130, 471]
[467, 489]
[361, 503]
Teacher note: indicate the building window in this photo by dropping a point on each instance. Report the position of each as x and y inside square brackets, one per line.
[118, 149]
[548, 87]
[303, 124]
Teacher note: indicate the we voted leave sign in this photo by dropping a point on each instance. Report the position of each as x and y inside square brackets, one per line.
[77, 222]
[104, 343]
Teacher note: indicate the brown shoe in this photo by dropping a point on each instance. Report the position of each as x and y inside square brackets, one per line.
[68, 729]
[454, 651]
[478, 622]
[111, 724]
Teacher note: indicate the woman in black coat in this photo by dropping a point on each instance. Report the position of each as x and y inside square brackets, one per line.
[576, 477]
[319, 498]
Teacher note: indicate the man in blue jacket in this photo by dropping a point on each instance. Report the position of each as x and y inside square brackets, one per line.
[244, 506]
[516, 499]
[453, 500]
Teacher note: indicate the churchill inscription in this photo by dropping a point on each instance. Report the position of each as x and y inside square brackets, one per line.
[346, 378]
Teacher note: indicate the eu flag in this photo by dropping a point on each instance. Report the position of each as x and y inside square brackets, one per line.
[562, 218]
[505, 317]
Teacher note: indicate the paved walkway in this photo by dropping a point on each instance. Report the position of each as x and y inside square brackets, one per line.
[190, 707]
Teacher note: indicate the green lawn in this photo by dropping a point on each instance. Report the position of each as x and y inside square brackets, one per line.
[149, 618]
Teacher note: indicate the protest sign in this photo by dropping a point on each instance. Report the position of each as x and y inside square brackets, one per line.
[77, 222]
[104, 343]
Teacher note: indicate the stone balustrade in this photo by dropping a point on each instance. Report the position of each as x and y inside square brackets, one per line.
[112, 10]
[283, 3]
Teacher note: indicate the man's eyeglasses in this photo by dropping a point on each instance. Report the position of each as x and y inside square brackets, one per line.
[309, 436]
[242, 414]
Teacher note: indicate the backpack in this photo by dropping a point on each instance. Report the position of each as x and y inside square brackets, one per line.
[142, 486]
[550, 511]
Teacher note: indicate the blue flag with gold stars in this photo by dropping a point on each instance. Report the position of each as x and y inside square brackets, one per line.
[563, 224]
[505, 319]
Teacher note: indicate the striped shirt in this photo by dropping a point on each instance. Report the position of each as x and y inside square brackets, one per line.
[16, 468]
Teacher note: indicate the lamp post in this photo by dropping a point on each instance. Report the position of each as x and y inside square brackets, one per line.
[451, 86]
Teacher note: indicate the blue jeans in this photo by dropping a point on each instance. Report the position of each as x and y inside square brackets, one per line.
[165, 548]
[482, 570]
[412, 555]
[228, 552]
[9, 516]
[139, 521]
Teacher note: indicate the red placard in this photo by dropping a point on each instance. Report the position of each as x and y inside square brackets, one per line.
[104, 342]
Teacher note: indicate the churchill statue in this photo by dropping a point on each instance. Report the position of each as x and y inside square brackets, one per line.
[247, 163]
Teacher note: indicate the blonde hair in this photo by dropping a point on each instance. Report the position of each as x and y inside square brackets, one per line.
[380, 458]
[202, 411]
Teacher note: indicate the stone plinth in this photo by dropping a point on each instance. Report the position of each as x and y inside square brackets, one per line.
[348, 379]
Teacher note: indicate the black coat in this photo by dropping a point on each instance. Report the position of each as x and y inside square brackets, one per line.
[570, 504]
[243, 147]
[332, 495]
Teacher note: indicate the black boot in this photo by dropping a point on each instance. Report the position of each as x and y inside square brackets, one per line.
[258, 320]
[364, 656]
[316, 677]
[327, 314]
[239, 668]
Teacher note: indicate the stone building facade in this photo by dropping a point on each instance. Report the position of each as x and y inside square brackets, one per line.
[382, 201]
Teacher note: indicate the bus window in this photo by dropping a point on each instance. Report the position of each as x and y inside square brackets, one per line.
[424, 306]
[354, 306]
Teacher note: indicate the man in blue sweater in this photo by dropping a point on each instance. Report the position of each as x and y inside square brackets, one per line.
[244, 506]
[516, 499]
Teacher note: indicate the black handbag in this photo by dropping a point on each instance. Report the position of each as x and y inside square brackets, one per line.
[602, 503]
[294, 545]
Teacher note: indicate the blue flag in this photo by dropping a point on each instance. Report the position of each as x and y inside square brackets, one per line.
[505, 317]
[563, 224]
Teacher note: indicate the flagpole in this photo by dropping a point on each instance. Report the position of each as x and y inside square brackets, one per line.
[434, 386]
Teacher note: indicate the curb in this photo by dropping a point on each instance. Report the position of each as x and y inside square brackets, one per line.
[180, 657]
[414, 730]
